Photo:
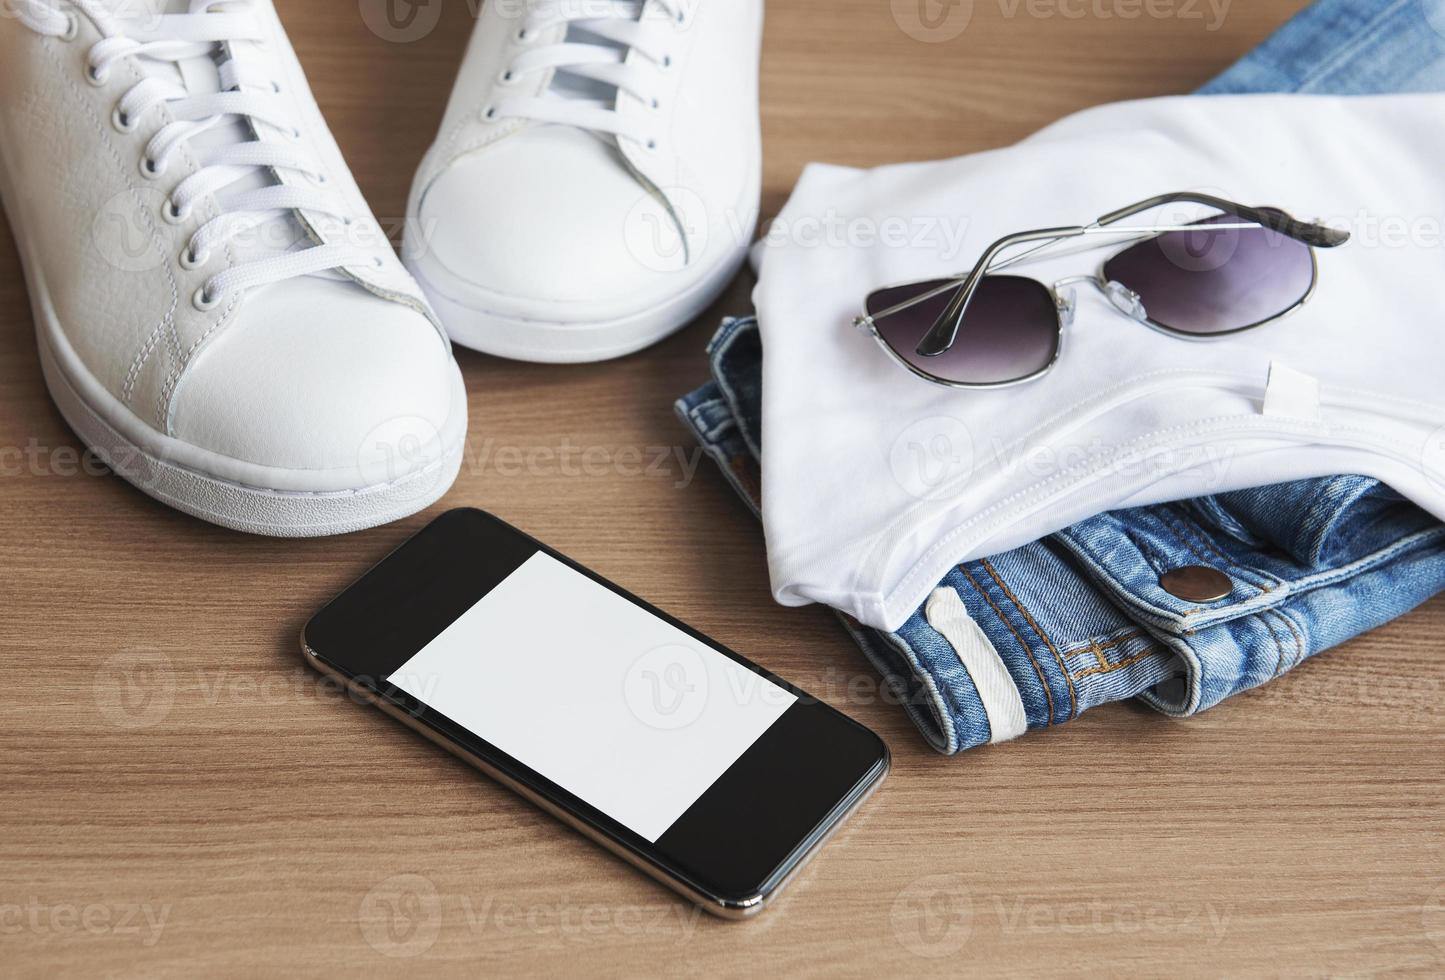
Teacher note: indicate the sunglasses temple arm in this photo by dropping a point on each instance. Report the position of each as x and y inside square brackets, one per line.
[942, 335]
[1274, 219]
[944, 331]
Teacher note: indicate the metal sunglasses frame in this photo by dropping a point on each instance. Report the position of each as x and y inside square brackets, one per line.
[941, 337]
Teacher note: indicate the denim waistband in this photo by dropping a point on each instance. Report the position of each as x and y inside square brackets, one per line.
[1032, 637]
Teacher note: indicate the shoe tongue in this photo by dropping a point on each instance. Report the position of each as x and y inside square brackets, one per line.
[566, 85]
[199, 76]
[143, 17]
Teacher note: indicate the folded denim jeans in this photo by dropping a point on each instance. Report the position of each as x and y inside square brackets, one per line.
[1128, 604]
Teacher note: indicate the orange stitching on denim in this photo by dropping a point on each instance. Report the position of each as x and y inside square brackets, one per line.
[1299, 642]
[1043, 681]
[1107, 668]
[1104, 666]
[1122, 638]
[1278, 646]
[1073, 695]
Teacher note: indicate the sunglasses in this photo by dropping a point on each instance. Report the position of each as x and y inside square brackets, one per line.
[1234, 271]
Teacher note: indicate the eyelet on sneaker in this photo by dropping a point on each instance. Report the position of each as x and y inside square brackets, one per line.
[522, 35]
[190, 261]
[121, 122]
[174, 215]
[204, 301]
[507, 77]
[95, 76]
[666, 62]
[149, 169]
[489, 113]
[72, 27]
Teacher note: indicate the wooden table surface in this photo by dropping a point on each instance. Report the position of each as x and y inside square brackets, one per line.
[181, 798]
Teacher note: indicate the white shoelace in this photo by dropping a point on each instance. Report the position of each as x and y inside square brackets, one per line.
[619, 26]
[247, 92]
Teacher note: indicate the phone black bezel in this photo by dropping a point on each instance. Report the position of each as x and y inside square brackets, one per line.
[342, 635]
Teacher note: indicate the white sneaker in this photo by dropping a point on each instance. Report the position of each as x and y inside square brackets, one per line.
[595, 183]
[219, 315]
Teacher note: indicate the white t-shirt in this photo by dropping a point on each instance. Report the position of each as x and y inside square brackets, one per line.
[875, 482]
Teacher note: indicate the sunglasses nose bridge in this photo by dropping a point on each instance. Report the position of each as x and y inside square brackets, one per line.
[1126, 301]
[1066, 300]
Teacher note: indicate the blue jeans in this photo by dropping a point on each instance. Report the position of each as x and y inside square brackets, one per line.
[1083, 616]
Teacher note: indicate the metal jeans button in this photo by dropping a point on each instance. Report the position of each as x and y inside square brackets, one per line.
[1197, 583]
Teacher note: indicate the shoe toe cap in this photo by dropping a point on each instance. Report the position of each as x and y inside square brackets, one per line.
[547, 221]
[319, 376]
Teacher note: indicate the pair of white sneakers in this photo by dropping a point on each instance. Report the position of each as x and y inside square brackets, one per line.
[221, 318]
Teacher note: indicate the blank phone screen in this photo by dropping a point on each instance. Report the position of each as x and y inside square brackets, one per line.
[618, 707]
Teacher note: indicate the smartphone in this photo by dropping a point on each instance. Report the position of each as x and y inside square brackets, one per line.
[703, 769]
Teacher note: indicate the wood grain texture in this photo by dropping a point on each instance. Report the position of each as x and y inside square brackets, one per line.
[181, 798]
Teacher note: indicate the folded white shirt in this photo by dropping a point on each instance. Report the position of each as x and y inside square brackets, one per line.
[875, 483]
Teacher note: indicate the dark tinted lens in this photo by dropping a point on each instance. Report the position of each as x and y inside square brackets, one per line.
[1208, 281]
[1010, 330]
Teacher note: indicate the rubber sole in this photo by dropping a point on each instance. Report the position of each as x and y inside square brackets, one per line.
[242, 507]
